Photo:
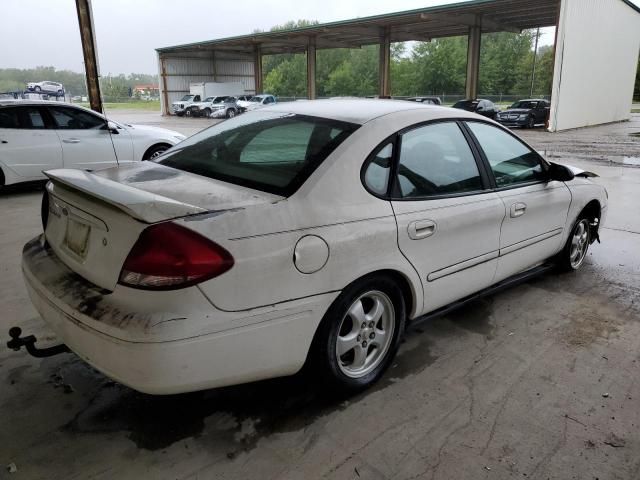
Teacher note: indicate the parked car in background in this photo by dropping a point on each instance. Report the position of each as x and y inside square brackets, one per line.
[525, 113]
[256, 102]
[50, 88]
[216, 107]
[303, 233]
[243, 98]
[180, 107]
[40, 135]
[426, 100]
[486, 108]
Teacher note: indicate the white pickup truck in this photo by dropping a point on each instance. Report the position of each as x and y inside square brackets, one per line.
[217, 107]
[180, 107]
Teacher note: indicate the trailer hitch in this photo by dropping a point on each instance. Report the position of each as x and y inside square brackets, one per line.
[17, 342]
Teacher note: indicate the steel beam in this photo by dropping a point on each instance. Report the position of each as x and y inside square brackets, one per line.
[257, 68]
[165, 93]
[89, 50]
[473, 60]
[385, 63]
[311, 68]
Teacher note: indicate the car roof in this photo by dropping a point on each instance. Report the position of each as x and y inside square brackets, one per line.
[532, 100]
[19, 101]
[358, 111]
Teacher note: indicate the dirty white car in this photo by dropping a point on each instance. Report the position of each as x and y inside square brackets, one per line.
[41, 135]
[310, 232]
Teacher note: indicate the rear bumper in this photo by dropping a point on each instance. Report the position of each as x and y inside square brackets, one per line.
[256, 345]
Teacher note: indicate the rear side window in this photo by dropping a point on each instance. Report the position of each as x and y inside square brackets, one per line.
[269, 151]
[74, 119]
[436, 160]
[376, 175]
[9, 118]
[512, 162]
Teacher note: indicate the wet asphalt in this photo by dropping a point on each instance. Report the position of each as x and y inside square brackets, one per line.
[538, 381]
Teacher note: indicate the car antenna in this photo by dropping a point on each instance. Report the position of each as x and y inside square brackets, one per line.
[106, 122]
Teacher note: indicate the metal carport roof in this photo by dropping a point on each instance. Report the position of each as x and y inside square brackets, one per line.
[421, 25]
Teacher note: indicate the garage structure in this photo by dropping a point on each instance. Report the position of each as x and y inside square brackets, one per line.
[602, 35]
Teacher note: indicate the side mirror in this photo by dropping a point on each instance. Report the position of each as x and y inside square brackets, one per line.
[559, 173]
[113, 128]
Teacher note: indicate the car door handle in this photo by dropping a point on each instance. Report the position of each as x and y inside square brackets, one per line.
[421, 229]
[518, 209]
[71, 140]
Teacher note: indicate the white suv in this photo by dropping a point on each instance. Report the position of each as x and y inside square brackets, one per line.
[50, 88]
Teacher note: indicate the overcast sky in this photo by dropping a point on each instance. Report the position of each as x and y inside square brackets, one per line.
[45, 32]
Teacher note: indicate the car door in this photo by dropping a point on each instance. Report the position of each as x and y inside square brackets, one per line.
[28, 144]
[448, 219]
[86, 142]
[536, 209]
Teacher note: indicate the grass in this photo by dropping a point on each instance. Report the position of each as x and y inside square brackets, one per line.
[146, 106]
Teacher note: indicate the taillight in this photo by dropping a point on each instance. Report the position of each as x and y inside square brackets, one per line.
[168, 256]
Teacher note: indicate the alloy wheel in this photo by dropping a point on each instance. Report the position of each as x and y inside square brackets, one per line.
[365, 334]
[579, 244]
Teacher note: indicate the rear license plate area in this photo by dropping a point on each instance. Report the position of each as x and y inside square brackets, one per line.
[76, 237]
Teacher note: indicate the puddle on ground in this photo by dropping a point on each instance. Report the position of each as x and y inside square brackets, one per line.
[230, 419]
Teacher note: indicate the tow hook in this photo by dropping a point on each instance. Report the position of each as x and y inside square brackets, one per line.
[17, 342]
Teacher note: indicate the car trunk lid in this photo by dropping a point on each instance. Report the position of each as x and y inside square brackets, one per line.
[94, 219]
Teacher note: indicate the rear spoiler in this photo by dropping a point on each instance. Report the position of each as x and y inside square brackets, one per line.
[139, 204]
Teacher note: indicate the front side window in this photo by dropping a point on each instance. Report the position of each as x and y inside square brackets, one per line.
[512, 162]
[436, 160]
[75, 119]
[272, 152]
[376, 175]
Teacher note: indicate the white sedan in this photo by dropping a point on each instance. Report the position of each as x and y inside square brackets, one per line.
[304, 233]
[41, 135]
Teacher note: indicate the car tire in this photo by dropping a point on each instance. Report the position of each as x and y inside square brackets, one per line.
[531, 122]
[207, 112]
[572, 256]
[60, 93]
[155, 151]
[37, 89]
[231, 113]
[359, 335]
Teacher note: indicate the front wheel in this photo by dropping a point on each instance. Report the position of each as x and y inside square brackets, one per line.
[207, 112]
[531, 122]
[37, 89]
[360, 334]
[155, 152]
[575, 250]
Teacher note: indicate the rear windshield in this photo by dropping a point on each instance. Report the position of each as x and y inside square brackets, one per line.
[270, 151]
[525, 104]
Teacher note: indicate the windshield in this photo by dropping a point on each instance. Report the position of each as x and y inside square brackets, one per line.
[256, 99]
[219, 99]
[186, 97]
[209, 99]
[525, 104]
[269, 151]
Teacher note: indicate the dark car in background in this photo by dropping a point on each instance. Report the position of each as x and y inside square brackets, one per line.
[426, 100]
[525, 113]
[486, 108]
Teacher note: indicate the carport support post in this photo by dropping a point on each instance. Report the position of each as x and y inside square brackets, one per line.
[473, 60]
[384, 67]
[88, 39]
[257, 68]
[311, 68]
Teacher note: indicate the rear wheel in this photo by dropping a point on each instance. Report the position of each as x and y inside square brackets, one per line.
[155, 151]
[60, 93]
[575, 250]
[231, 113]
[360, 334]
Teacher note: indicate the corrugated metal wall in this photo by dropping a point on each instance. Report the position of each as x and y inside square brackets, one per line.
[595, 66]
[178, 72]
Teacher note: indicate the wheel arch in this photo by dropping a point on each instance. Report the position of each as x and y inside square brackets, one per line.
[145, 156]
[592, 210]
